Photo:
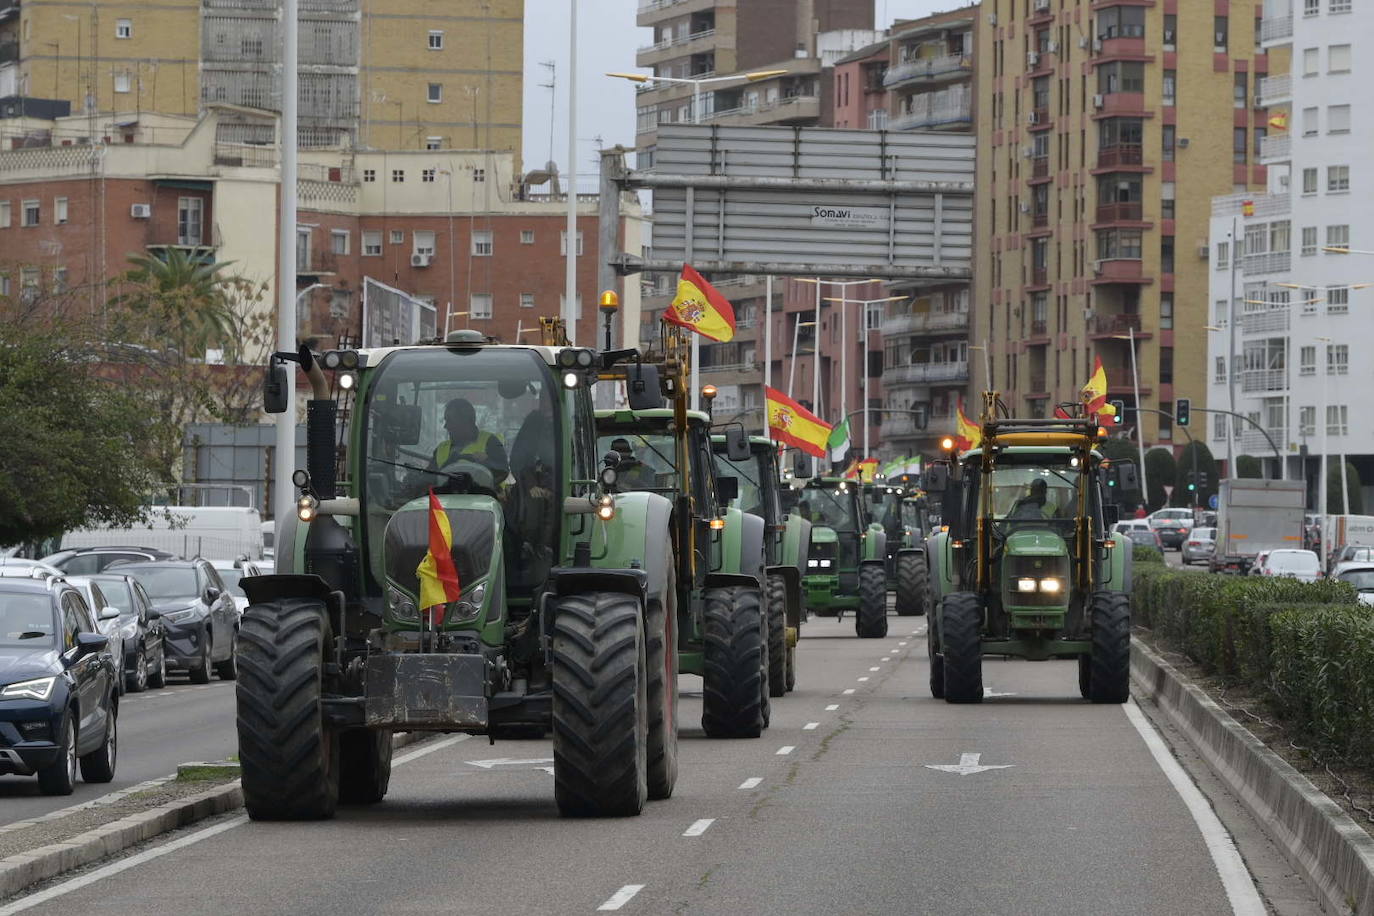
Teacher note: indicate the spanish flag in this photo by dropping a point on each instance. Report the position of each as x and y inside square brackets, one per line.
[868, 469]
[794, 425]
[970, 434]
[438, 576]
[1094, 394]
[698, 307]
[1279, 121]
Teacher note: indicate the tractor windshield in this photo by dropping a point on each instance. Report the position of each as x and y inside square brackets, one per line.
[646, 461]
[1034, 493]
[749, 473]
[830, 507]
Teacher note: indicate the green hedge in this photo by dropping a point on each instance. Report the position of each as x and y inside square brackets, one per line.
[1143, 553]
[1308, 648]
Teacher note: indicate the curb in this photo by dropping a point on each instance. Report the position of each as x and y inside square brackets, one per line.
[25, 869]
[1334, 855]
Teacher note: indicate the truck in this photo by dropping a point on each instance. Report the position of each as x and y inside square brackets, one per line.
[214, 532]
[1254, 516]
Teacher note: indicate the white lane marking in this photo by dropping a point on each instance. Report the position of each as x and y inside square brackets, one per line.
[811, 726]
[621, 897]
[862, 679]
[751, 783]
[848, 691]
[785, 750]
[75, 884]
[968, 765]
[510, 761]
[699, 827]
[989, 692]
[876, 668]
[901, 644]
[1235, 878]
[832, 707]
[885, 658]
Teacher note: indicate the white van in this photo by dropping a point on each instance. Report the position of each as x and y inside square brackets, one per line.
[215, 532]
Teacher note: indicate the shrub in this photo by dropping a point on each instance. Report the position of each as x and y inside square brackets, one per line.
[1322, 678]
[1144, 553]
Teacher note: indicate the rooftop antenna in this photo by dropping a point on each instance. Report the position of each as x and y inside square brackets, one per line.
[552, 86]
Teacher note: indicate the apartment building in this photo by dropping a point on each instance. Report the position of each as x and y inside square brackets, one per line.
[1107, 129]
[453, 231]
[1293, 312]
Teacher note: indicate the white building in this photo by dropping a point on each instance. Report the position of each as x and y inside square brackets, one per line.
[1305, 334]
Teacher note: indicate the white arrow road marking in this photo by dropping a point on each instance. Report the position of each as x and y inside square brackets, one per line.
[751, 783]
[989, 692]
[513, 761]
[968, 764]
[699, 827]
[621, 897]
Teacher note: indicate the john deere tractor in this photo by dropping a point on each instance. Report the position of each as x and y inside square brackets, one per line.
[549, 607]
[1029, 566]
[909, 560]
[758, 485]
[845, 563]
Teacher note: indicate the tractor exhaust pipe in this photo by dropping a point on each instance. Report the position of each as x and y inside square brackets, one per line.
[320, 428]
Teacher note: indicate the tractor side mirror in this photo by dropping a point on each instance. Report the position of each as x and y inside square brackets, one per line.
[727, 488]
[736, 444]
[642, 387]
[1111, 514]
[801, 466]
[937, 478]
[1126, 476]
[274, 383]
[405, 424]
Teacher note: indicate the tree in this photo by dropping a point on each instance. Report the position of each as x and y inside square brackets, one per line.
[1206, 467]
[1159, 470]
[1249, 466]
[1334, 504]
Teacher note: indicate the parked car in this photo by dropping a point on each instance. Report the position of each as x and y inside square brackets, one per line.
[141, 631]
[1134, 524]
[231, 571]
[1361, 576]
[1144, 537]
[1200, 545]
[59, 686]
[1292, 562]
[1255, 567]
[87, 561]
[106, 616]
[19, 568]
[198, 613]
[1352, 553]
[1172, 525]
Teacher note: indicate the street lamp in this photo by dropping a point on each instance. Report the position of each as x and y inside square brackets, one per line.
[844, 349]
[792, 367]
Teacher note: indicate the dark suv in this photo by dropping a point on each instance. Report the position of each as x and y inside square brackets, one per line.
[59, 686]
[199, 618]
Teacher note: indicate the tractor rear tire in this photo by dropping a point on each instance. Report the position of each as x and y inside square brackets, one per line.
[364, 766]
[961, 625]
[911, 585]
[778, 656]
[1084, 676]
[661, 658]
[791, 668]
[289, 758]
[937, 662]
[1109, 680]
[736, 664]
[600, 705]
[870, 621]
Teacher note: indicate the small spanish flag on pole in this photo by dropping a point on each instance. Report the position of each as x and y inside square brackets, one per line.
[438, 576]
[969, 434]
[698, 307]
[1247, 208]
[794, 425]
[1279, 121]
[1094, 394]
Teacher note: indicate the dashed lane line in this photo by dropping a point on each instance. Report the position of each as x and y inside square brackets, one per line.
[811, 726]
[785, 750]
[832, 707]
[699, 827]
[885, 658]
[876, 668]
[848, 691]
[621, 897]
[751, 783]
[862, 679]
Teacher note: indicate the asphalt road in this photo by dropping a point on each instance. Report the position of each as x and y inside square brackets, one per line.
[836, 809]
[158, 729]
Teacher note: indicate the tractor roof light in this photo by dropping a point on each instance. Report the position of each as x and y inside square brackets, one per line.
[610, 302]
[709, 392]
[571, 380]
[348, 381]
[947, 443]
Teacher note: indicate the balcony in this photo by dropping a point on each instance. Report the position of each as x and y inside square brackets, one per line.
[1040, 276]
[1119, 270]
[934, 322]
[1040, 220]
[1261, 206]
[654, 11]
[1253, 441]
[936, 68]
[1039, 331]
[780, 111]
[936, 109]
[1108, 326]
[1264, 380]
[1274, 90]
[1120, 381]
[1276, 29]
[1276, 148]
[1269, 262]
[652, 54]
[1040, 167]
[1267, 321]
[1113, 157]
[919, 373]
[1125, 212]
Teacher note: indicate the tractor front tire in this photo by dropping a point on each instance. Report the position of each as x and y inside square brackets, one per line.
[937, 662]
[911, 584]
[364, 766]
[289, 759]
[961, 625]
[1109, 677]
[600, 705]
[661, 657]
[870, 621]
[735, 662]
[778, 656]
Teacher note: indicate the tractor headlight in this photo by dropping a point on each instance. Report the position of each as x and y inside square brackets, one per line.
[470, 604]
[1025, 585]
[1051, 586]
[402, 608]
[826, 564]
[813, 564]
[605, 510]
[571, 379]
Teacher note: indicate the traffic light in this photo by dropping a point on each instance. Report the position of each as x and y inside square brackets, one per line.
[1120, 407]
[1192, 482]
[1183, 409]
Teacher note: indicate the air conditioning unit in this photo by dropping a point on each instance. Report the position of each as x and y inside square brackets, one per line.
[1204, 251]
[1097, 265]
[1053, 47]
[141, 211]
[1041, 6]
[1032, 58]
[1084, 42]
[1027, 152]
[420, 260]
[1098, 101]
[1097, 45]
[1032, 118]
[1025, 207]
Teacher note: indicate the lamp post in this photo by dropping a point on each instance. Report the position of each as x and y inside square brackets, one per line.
[696, 84]
[792, 365]
[844, 348]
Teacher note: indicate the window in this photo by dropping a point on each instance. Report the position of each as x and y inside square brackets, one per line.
[1219, 422]
[31, 212]
[1170, 31]
[1336, 420]
[1307, 361]
[1166, 311]
[1166, 200]
[1309, 241]
[1311, 7]
[372, 243]
[479, 175]
[1168, 133]
[1309, 181]
[1338, 119]
[1222, 28]
[1120, 22]
[1170, 86]
[398, 236]
[302, 248]
[434, 93]
[527, 300]
[369, 175]
[190, 220]
[398, 175]
[1337, 300]
[121, 82]
[423, 241]
[1338, 236]
[1311, 122]
[1240, 90]
[1121, 76]
[1119, 243]
[28, 284]
[481, 243]
[1338, 59]
[124, 28]
[1166, 254]
[526, 236]
[434, 142]
[436, 40]
[59, 210]
[1337, 359]
[338, 241]
[1220, 311]
[427, 176]
[59, 280]
[1339, 6]
[1223, 255]
[1219, 373]
[4, 214]
[480, 306]
[1281, 235]
[1337, 178]
[1311, 61]
[563, 243]
[1166, 365]
[1239, 144]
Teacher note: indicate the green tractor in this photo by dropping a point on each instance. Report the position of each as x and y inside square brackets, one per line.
[1029, 566]
[909, 568]
[759, 487]
[544, 602]
[847, 556]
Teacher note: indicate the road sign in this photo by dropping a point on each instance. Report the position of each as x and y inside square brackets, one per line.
[1212, 501]
[968, 765]
[1168, 490]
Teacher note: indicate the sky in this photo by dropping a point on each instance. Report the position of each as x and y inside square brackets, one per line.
[609, 39]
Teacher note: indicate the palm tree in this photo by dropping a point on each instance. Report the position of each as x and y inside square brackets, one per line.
[183, 300]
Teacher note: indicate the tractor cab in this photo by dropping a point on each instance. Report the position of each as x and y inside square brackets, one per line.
[846, 561]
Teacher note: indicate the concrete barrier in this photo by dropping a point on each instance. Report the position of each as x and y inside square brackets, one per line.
[1332, 852]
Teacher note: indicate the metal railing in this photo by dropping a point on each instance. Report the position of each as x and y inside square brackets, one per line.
[680, 40]
[1275, 28]
[1126, 211]
[1264, 380]
[926, 372]
[1262, 205]
[1269, 262]
[1113, 324]
[1274, 89]
[1266, 321]
[1276, 147]
[925, 321]
[928, 69]
[1109, 157]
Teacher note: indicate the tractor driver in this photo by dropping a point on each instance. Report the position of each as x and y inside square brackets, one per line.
[1034, 505]
[632, 473]
[466, 442]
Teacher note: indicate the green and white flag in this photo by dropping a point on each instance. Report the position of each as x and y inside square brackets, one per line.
[838, 443]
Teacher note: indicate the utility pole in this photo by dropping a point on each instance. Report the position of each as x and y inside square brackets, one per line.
[284, 459]
[570, 267]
